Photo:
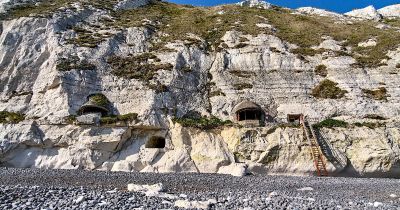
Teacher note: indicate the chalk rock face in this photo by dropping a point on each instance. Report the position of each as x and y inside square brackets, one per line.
[368, 13]
[2, 5]
[129, 4]
[390, 11]
[236, 169]
[319, 12]
[51, 65]
[255, 3]
[89, 119]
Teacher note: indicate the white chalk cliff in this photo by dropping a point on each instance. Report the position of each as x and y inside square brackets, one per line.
[255, 3]
[52, 63]
[368, 13]
[390, 11]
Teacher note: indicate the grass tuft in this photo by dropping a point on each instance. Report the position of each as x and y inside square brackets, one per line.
[242, 86]
[331, 123]
[321, 70]
[379, 94]
[328, 89]
[126, 118]
[68, 64]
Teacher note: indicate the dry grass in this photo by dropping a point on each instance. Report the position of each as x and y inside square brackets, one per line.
[321, 70]
[11, 117]
[378, 94]
[328, 89]
[174, 22]
[242, 86]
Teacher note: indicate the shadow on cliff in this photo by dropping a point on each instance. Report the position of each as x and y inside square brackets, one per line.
[339, 161]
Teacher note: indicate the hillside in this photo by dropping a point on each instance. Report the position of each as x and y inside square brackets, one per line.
[103, 84]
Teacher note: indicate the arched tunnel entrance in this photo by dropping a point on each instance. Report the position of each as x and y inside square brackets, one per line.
[249, 113]
[155, 142]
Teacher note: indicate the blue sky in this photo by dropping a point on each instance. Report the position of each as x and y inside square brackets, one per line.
[340, 6]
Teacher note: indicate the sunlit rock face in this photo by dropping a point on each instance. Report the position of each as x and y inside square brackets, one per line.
[146, 75]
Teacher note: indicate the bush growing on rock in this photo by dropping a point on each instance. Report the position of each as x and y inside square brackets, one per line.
[379, 94]
[242, 86]
[70, 119]
[141, 67]
[68, 64]
[321, 70]
[370, 125]
[126, 118]
[11, 117]
[243, 74]
[374, 117]
[202, 122]
[331, 123]
[99, 99]
[216, 93]
[328, 89]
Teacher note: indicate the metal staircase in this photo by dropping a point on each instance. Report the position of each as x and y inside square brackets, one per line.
[319, 159]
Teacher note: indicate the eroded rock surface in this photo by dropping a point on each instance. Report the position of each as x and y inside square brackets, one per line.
[49, 67]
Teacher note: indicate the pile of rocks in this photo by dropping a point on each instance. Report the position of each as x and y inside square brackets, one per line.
[61, 189]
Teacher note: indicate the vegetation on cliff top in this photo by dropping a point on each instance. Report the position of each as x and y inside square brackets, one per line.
[176, 22]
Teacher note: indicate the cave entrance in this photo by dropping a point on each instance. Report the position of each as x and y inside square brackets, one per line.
[156, 142]
[90, 109]
[294, 118]
[96, 103]
[249, 113]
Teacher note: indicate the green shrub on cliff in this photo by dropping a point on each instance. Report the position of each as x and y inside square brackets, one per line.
[99, 99]
[379, 94]
[328, 89]
[126, 118]
[331, 123]
[202, 122]
[321, 70]
[11, 117]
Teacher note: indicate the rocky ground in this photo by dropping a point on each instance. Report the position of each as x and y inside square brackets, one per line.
[77, 189]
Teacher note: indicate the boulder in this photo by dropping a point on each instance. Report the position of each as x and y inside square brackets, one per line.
[318, 12]
[130, 4]
[235, 169]
[368, 13]
[255, 3]
[89, 119]
[391, 11]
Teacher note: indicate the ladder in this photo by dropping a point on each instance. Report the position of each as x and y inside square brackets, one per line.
[319, 160]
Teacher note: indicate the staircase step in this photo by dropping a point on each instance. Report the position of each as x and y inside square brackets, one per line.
[315, 148]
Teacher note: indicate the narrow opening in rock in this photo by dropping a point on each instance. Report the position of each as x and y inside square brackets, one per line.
[155, 142]
[249, 114]
[93, 109]
[294, 118]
